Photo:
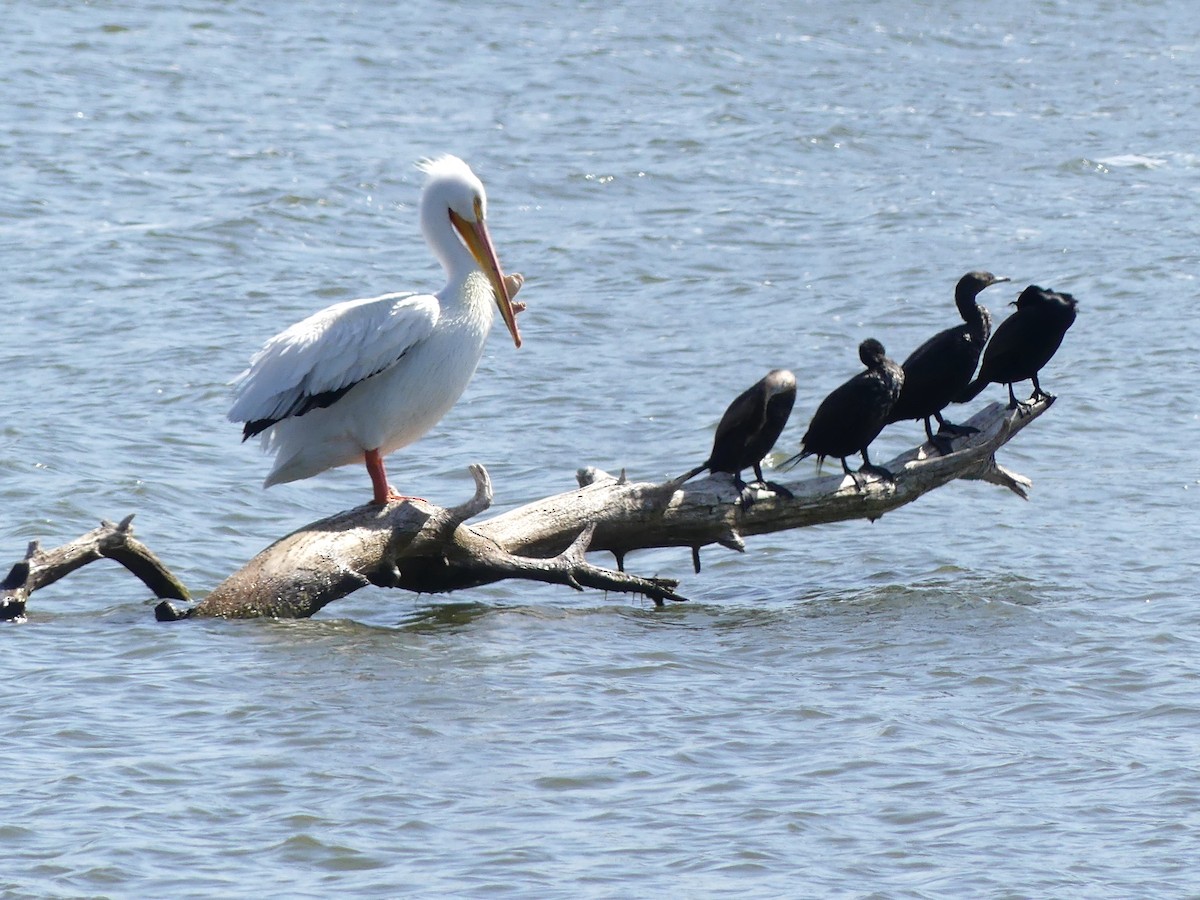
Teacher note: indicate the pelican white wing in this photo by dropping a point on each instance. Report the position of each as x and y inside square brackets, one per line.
[314, 362]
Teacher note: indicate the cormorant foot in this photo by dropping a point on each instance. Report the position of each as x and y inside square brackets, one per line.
[778, 489]
[956, 430]
[1024, 407]
[749, 492]
[872, 469]
[944, 443]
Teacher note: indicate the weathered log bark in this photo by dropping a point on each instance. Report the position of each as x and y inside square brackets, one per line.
[426, 548]
[43, 567]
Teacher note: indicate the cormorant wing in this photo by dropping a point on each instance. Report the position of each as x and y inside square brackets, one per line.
[742, 422]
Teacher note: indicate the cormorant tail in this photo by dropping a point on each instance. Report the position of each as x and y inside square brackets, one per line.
[792, 461]
[971, 391]
[690, 474]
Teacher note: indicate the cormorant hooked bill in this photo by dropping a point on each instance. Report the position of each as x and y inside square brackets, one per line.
[1023, 344]
[855, 412]
[937, 371]
[749, 429]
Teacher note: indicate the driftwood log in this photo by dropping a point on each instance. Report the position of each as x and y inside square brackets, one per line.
[430, 549]
[43, 567]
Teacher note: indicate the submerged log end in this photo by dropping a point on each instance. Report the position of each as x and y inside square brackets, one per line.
[12, 609]
[166, 611]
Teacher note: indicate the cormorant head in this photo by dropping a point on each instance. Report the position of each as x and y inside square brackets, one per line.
[871, 353]
[779, 381]
[1031, 296]
[974, 282]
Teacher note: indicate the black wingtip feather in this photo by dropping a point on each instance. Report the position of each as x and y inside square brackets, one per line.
[258, 426]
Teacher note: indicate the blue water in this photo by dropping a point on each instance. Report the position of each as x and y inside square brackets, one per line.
[974, 696]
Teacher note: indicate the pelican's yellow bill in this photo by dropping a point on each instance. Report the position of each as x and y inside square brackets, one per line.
[479, 242]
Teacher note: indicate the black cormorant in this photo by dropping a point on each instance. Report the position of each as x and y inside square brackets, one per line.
[937, 371]
[855, 412]
[1023, 343]
[749, 429]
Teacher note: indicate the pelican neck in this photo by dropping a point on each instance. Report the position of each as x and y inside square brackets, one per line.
[446, 244]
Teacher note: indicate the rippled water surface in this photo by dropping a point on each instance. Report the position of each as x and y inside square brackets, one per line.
[974, 696]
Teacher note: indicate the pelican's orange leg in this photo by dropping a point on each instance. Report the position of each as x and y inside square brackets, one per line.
[383, 493]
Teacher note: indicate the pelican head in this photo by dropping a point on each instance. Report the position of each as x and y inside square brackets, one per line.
[453, 189]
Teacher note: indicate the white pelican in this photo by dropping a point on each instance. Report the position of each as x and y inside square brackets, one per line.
[360, 379]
